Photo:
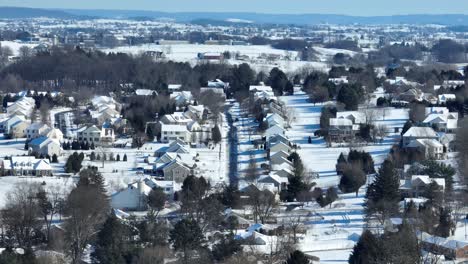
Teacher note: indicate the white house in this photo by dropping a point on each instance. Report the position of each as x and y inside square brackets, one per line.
[172, 132]
[431, 147]
[274, 119]
[90, 135]
[7, 124]
[182, 97]
[446, 122]
[134, 196]
[417, 185]
[27, 166]
[36, 130]
[45, 146]
[177, 118]
[274, 130]
[418, 133]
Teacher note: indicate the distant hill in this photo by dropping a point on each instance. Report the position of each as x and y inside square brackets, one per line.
[215, 17]
[23, 12]
[301, 19]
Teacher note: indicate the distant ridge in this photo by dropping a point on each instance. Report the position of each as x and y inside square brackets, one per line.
[259, 18]
[24, 12]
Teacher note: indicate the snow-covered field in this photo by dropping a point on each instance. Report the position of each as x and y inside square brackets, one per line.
[16, 45]
[189, 52]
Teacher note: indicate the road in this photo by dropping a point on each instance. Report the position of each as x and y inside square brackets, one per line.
[233, 142]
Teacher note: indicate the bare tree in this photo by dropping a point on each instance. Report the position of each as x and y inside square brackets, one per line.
[25, 52]
[20, 215]
[251, 174]
[87, 208]
[263, 203]
[50, 202]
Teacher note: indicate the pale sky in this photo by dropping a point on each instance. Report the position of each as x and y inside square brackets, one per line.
[347, 7]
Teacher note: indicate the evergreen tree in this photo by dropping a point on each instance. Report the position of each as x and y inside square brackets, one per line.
[118, 157]
[125, 157]
[383, 194]
[54, 158]
[297, 257]
[216, 134]
[186, 237]
[226, 247]
[353, 178]
[446, 224]
[367, 250]
[111, 243]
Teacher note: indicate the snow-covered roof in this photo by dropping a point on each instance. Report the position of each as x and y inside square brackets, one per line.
[173, 128]
[340, 122]
[421, 132]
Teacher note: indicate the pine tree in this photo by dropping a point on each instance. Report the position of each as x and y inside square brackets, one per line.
[118, 157]
[186, 237]
[297, 257]
[54, 158]
[125, 157]
[111, 244]
[367, 250]
[383, 194]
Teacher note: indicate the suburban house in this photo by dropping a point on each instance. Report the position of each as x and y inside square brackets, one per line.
[134, 196]
[416, 185]
[55, 134]
[444, 98]
[36, 130]
[274, 119]
[177, 118]
[177, 146]
[27, 166]
[448, 141]
[279, 138]
[9, 122]
[23, 107]
[182, 98]
[107, 136]
[195, 112]
[450, 249]
[176, 171]
[90, 135]
[280, 183]
[171, 133]
[341, 129]
[418, 133]
[279, 157]
[274, 130]
[431, 148]
[277, 147]
[445, 122]
[45, 146]
[355, 116]
[18, 130]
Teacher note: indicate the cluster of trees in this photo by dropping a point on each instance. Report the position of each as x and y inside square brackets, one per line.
[396, 52]
[103, 156]
[73, 164]
[279, 82]
[398, 247]
[76, 145]
[344, 44]
[354, 170]
[298, 184]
